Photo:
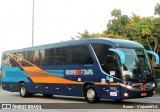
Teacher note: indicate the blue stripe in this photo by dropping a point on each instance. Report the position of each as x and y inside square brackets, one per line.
[10, 68]
[59, 73]
[16, 74]
[14, 79]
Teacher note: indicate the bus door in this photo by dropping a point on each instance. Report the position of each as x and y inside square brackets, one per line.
[111, 65]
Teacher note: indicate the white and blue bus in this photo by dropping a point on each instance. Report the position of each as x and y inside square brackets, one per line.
[101, 68]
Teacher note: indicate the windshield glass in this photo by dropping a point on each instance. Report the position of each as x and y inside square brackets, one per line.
[137, 66]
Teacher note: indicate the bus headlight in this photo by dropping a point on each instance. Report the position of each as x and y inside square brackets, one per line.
[126, 86]
[122, 85]
[153, 85]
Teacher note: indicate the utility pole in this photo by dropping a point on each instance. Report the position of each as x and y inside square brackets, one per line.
[33, 24]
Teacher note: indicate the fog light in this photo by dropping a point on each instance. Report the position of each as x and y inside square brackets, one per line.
[126, 94]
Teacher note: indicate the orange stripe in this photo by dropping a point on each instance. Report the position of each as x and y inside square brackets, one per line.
[55, 80]
[36, 72]
[99, 83]
[144, 86]
[38, 75]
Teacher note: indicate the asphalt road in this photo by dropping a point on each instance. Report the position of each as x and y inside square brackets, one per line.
[69, 104]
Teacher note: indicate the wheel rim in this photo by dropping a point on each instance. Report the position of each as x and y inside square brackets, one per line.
[90, 94]
[23, 90]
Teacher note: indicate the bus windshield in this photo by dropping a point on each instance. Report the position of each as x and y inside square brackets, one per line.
[137, 66]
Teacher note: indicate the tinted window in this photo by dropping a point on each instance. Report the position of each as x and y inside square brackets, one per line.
[81, 55]
[14, 62]
[6, 60]
[30, 56]
[41, 57]
[49, 56]
[36, 57]
[25, 60]
[107, 59]
[53, 56]
[60, 56]
[101, 51]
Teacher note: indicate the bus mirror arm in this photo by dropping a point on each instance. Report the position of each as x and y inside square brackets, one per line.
[120, 54]
[154, 54]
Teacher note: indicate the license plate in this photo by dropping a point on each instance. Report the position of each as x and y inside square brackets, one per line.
[143, 94]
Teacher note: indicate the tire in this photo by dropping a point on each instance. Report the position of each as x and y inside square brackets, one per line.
[47, 95]
[23, 91]
[91, 95]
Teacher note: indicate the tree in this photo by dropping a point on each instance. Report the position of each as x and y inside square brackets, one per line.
[132, 28]
[145, 30]
[118, 25]
[157, 9]
[116, 13]
[86, 34]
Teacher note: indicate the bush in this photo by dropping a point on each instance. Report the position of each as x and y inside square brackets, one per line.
[157, 89]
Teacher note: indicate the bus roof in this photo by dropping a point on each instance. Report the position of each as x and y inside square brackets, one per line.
[110, 41]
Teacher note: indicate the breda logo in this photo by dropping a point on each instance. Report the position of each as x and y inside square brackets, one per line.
[79, 72]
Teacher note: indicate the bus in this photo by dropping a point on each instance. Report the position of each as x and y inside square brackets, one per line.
[94, 68]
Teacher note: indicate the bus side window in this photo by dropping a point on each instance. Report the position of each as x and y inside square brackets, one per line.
[60, 56]
[81, 55]
[49, 56]
[24, 63]
[36, 57]
[4, 59]
[30, 56]
[41, 57]
[14, 62]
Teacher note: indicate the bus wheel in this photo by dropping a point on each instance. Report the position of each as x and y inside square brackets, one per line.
[47, 95]
[91, 95]
[23, 90]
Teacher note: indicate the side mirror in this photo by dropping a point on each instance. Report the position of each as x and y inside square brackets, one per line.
[154, 54]
[120, 54]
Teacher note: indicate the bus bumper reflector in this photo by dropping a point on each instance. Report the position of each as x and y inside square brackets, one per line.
[143, 94]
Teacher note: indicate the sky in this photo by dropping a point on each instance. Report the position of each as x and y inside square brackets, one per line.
[59, 20]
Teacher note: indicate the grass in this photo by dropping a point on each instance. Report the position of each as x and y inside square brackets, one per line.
[157, 89]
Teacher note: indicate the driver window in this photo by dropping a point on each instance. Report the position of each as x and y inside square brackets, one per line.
[111, 64]
[107, 59]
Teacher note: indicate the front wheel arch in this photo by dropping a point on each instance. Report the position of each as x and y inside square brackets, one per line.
[90, 94]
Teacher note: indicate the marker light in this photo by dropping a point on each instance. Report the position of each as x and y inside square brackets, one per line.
[126, 94]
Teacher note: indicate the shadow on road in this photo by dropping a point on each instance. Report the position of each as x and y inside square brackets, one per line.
[82, 100]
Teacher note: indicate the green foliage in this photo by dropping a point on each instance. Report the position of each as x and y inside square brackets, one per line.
[96, 35]
[157, 89]
[118, 25]
[157, 9]
[145, 30]
[116, 13]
